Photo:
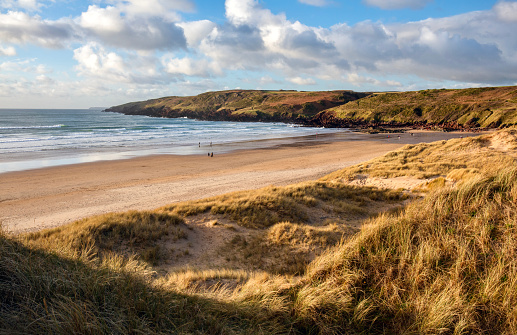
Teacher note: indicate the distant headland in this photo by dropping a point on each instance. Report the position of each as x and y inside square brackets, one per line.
[470, 109]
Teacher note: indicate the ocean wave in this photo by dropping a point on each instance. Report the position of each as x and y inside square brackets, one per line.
[32, 127]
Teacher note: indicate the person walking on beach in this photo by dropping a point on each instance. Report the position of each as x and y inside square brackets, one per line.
[212, 155]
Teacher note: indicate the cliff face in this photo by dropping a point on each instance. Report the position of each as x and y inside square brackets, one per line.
[469, 109]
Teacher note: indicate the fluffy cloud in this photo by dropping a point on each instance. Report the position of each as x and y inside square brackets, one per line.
[266, 40]
[397, 4]
[302, 81]
[157, 8]
[95, 61]
[25, 4]
[190, 67]
[358, 80]
[506, 11]
[473, 47]
[110, 26]
[7, 51]
[132, 25]
[20, 28]
[196, 31]
[143, 49]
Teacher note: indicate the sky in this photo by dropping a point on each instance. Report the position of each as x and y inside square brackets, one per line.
[101, 53]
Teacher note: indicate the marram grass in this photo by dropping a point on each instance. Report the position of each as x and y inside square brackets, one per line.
[445, 265]
[119, 233]
[271, 205]
[474, 155]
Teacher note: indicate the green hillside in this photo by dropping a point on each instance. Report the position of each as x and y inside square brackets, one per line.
[472, 108]
[491, 107]
[242, 105]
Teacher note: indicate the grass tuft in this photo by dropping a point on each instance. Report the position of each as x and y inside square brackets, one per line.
[445, 265]
[129, 233]
[270, 205]
[427, 160]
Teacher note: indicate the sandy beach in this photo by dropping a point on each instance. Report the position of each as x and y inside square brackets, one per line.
[43, 198]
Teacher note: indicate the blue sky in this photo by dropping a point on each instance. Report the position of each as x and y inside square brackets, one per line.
[78, 54]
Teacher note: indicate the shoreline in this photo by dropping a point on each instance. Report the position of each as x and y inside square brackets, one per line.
[48, 197]
[42, 160]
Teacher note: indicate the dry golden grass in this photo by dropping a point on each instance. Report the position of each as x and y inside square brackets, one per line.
[446, 265]
[129, 233]
[425, 160]
[193, 281]
[270, 205]
[47, 292]
[285, 248]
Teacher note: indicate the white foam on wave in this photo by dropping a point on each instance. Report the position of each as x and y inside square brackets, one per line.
[32, 127]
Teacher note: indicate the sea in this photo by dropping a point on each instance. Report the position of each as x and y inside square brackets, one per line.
[37, 138]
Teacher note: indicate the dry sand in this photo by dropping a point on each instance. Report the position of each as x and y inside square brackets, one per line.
[43, 198]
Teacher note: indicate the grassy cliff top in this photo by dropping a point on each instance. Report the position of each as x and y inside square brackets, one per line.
[242, 104]
[489, 107]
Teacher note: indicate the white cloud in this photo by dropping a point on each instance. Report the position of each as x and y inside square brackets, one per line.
[302, 81]
[397, 4]
[110, 26]
[196, 31]
[44, 79]
[359, 80]
[28, 66]
[266, 80]
[506, 11]
[473, 47]
[154, 8]
[102, 19]
[258, 39]
[190, 67]
[128, 24]
[24, 4]
[140, 50]
[95, 61]
[7, 51]
[317, 3]
[20, 28]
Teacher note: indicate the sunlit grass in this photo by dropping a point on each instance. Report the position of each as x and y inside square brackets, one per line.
[270, 205]
[445, 265]
[425, 160]
[129, 233]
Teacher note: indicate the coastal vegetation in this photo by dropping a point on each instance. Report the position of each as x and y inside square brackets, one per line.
[332, 256]
[471, 108]
[449, 109]
[242, 105]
